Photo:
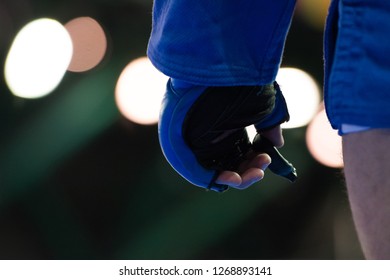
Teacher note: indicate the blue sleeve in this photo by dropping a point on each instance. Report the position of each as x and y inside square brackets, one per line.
[220, 42]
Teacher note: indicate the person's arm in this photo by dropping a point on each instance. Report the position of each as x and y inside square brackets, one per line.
[367, 165]
[224, 50]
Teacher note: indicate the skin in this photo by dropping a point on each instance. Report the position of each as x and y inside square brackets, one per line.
[367, 172]
[252, 170]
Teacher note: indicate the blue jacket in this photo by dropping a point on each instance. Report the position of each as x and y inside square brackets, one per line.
[220, 42]
[230, 42]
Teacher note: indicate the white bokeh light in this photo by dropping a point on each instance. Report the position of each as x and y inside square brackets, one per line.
[38, 58]
[323, 142]
[139, 91]
[302, 95]
[251, 130]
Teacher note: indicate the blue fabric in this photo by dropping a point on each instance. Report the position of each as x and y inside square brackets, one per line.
[230, 42]
[278, 115]
[220, 42]
[174, 108]
[357, 63]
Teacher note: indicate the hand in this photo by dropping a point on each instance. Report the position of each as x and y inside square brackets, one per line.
[252, 170]
[202, 132]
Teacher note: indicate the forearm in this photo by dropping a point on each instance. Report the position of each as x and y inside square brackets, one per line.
[366, 157]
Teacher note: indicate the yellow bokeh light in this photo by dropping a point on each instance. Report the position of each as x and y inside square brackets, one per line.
[139, 91]
[302, 95]
[38, 58]
[323, 142]
[314, 12]
[89, 43]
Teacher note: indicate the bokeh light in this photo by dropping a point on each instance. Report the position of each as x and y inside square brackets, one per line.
[38, 58]
[314, 12]
[89, 43]
[323, 142]
[139, 91]
[251, 130]
[302, 95]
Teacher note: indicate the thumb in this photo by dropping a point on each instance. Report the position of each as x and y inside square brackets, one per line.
[275, 136]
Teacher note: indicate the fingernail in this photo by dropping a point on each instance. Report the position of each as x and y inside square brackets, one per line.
[264, 167]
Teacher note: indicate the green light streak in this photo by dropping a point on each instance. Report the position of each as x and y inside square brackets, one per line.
[53, 134]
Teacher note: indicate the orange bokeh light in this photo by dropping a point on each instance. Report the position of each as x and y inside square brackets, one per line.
[323, 142]
[89, 43]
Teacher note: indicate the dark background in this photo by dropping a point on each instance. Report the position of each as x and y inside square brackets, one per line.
[79, 181]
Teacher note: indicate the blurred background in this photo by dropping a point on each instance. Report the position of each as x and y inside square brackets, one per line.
[81, 171]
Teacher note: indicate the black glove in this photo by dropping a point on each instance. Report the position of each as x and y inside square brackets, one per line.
[212, 125]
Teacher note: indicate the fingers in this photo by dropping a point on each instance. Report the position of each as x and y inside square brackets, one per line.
[230, 178]
[275, 136]
[250, 172]
[250, 176]
[259, 161]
